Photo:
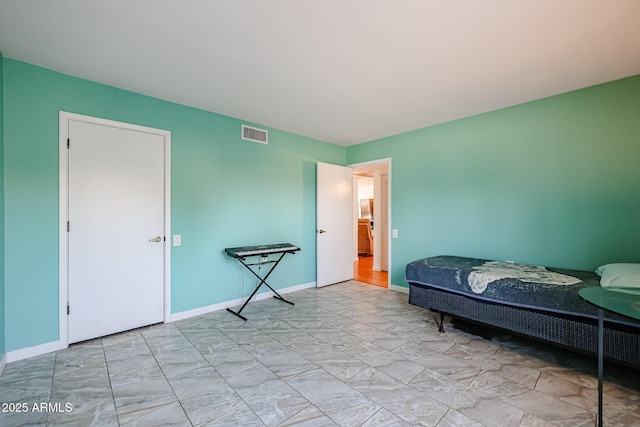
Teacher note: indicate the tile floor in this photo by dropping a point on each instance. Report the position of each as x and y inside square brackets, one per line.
[349, 355]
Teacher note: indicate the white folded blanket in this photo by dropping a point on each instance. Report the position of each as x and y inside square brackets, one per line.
[491, 271]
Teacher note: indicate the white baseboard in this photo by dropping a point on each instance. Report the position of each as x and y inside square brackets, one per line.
[36, 350]
[397, 288]
[3, 363]
[203, 310]
[236, 302]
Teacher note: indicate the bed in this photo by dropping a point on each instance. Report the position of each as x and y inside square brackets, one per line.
[537, 302]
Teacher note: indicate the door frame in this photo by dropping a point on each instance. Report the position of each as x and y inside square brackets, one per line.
[64, 118]
[383, 161]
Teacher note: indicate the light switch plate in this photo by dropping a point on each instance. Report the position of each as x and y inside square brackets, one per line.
[177, 240]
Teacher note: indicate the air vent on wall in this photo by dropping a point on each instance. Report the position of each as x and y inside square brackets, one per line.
[254, 134]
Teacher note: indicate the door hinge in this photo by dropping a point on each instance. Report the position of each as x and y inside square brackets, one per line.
[68, 226]
[68, 142]
[68, 311]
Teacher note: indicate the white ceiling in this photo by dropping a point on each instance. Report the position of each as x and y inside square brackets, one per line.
[342, 71]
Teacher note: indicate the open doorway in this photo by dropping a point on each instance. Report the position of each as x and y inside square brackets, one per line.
[371, 212]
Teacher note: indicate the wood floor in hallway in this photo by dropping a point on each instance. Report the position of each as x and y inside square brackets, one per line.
[363, 272]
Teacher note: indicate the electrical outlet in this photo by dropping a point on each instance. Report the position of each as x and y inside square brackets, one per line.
[394, 233]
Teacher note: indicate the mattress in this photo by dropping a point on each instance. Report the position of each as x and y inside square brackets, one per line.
[540, 288]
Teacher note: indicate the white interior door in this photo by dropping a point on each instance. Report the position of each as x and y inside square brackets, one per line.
[334, 222]
[116, 229]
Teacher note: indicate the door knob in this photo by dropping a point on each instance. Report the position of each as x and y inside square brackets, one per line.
[322, 231]
[156, 239]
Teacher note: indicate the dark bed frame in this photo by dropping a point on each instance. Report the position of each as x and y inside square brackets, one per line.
[574, 332]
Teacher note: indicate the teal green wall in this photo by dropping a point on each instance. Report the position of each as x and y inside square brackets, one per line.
[225, 192]
[2, 321]
[553, 182]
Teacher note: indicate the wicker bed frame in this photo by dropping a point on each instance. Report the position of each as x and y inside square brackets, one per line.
[574, 332]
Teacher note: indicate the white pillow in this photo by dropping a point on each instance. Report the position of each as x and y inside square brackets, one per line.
[619, 275]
